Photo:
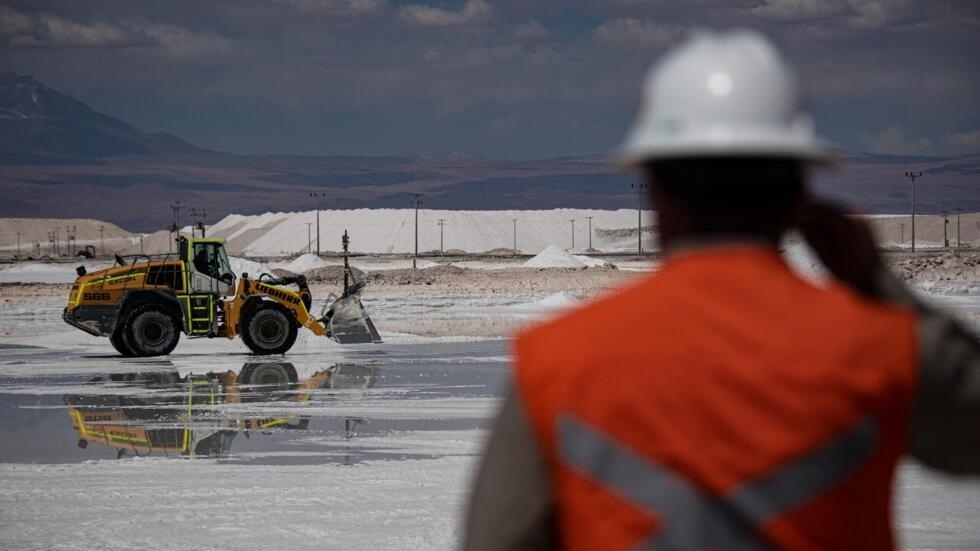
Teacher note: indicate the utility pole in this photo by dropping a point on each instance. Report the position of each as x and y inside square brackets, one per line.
[945, 227]
[309, 239]
[18, 243]
[199, 215]
[417, 198]
[56, 251]
[102, 241]
[442, 223]
[515, 235]
[902, 225]
[141, 243]
[590, 232]
[70, 242]
[573, 232]
[316, 197]
[912, 176]
[639, 187]
[176, 220]
[175, 223]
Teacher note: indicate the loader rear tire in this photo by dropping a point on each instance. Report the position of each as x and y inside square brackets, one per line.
[268, 328]
[150, 330]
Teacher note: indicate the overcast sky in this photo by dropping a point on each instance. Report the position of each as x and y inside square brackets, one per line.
[515, 79]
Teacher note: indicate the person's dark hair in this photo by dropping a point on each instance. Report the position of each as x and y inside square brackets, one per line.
[745, 196]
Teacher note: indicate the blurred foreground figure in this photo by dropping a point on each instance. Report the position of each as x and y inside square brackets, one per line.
[723, 402]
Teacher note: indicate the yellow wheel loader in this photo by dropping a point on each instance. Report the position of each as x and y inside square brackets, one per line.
[143, 303]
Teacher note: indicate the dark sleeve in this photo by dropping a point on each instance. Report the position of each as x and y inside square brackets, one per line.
[511, 506]
[945, 424]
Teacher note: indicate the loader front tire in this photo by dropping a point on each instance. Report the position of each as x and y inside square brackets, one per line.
[150, 330]
[268, 328]
[119, 343]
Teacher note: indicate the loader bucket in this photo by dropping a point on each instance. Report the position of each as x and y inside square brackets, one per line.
[349, 323]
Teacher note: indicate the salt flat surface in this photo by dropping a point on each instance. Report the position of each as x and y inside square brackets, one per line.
[399, 482]
[167, 504]
[40, 272]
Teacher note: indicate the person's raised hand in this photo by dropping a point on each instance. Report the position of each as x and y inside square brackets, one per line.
[843, 243]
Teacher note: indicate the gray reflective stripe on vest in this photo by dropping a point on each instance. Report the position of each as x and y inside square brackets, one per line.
[692, 519]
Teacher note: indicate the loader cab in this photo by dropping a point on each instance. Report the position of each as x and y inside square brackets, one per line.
[208, 268]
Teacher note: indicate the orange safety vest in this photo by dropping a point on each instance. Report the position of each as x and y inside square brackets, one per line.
[722, 403]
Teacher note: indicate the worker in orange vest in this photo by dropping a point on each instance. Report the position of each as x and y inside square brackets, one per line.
[723, 402]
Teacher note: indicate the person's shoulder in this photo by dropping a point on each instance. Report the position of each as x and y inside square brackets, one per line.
[861, 318]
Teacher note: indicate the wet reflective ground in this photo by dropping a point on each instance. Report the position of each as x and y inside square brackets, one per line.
[239, 408]
[361, 447]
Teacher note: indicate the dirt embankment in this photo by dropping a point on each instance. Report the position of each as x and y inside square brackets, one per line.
[504, 280]
[940, 272]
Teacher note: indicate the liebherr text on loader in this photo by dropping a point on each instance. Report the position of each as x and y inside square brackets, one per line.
[144, 302]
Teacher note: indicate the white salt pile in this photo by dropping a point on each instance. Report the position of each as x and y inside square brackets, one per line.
[244, 266]
[305, 263]
[554, 257]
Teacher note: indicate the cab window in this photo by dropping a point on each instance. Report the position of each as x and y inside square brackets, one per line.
[211, 260]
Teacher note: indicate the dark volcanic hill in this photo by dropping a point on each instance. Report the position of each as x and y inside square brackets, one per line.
[61, 159]
[38, 123]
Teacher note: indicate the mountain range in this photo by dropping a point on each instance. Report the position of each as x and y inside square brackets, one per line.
[38, 123]
[60, 158]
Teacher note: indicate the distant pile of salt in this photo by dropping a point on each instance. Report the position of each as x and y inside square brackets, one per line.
[305, 263]
[554, 257]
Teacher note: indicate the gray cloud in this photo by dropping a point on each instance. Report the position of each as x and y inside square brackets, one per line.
[630, 32]
[49, 31]
[474, 11]
[46, 31]
[857, 13]
[522, 79]
[14, 23]
[338, 7]
[797, 10]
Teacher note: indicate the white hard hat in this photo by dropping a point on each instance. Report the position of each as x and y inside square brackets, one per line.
[722, 95]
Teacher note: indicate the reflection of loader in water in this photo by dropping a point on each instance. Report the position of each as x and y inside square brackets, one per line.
[182, 416]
